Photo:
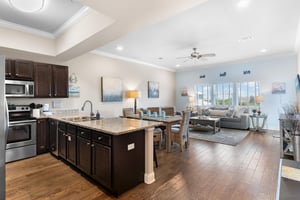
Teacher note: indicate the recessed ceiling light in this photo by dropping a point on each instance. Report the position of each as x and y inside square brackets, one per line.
[178, 65]
[119, 48]
[263, 50]
[29, 6]
[243, 3]
[160, 58]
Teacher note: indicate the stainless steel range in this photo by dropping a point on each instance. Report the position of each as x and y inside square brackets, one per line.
[21, 138]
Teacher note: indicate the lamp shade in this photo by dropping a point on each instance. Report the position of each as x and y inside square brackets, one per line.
[132, 94]
[259, 99]
[191, 99]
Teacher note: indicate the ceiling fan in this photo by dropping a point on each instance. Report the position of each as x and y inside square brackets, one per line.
[196, 55]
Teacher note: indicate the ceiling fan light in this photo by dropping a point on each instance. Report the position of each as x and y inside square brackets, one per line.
[29, 6]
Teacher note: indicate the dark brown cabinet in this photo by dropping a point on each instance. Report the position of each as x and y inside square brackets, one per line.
[71, 144]
[53, 128]
[18, 69]
[60, 81]
[43, 80]
[62, 140]
[84, 150]
[117, 162]
[50, 80]
[42, 136]
[101, 159]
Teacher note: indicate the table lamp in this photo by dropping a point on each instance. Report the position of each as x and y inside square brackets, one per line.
[133, 94]
[258, 100]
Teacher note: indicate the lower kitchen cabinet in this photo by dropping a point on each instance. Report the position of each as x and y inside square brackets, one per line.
[71, 144]
[62, 141]
[117, 162]
[84, 150]
[101, 164]
[42, 135]
[53, 128]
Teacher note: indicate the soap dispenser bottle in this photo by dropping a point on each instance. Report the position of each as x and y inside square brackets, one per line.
[97, 115]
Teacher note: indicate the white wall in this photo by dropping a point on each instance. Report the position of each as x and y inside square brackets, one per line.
[90, 67]
[267, 71]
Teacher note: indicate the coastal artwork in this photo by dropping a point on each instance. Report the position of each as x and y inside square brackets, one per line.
[74, 90]
[278, 88]
[153, 89]
[111, 89]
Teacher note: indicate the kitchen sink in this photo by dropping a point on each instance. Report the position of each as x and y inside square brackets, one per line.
[79, 119]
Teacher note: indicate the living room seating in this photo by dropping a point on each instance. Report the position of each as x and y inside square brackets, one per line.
[230, 117]
[179, 134]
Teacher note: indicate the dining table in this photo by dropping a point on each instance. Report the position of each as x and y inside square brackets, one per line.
[167, 121]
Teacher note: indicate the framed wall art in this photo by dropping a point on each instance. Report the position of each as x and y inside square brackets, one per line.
[111, 89]
[184, 92]
[278, 88]
[153, 89]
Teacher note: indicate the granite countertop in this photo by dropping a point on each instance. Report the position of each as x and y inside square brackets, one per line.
[112, 126]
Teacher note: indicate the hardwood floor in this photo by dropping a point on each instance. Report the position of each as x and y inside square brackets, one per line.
[205, 171]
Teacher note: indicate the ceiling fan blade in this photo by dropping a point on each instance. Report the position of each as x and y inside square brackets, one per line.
[207, 55]
[183, 57]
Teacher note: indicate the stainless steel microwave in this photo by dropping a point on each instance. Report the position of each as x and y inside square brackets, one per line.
[15, 88]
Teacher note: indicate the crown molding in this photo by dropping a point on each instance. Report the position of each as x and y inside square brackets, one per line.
[98, 52]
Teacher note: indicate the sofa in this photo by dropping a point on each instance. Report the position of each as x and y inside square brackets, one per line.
[230, 117]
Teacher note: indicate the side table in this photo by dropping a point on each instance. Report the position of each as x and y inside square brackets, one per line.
[256, 124]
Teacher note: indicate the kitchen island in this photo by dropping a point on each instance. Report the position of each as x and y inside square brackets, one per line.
[115, 152]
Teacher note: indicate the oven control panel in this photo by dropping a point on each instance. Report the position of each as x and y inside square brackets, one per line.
[18, 108]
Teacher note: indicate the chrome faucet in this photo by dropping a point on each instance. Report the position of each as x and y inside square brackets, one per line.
[88, 101]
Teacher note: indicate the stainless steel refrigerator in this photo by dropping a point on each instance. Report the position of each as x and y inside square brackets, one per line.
[3, 127]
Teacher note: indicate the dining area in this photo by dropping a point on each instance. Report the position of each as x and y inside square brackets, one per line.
[174, 126]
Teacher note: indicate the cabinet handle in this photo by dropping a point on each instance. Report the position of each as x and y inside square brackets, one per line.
[49, 95]
[92, 145]
[99, 138]
[81, 132]
[88, 143]
[55, 94]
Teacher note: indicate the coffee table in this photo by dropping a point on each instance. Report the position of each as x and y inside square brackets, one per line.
[203, 122]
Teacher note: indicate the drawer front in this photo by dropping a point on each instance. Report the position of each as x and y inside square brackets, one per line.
[71, 129]
[102, 138]
[62, 126]
[85, 133]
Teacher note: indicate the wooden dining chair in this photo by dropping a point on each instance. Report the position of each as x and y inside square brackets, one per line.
[127, 111]
[170, 111]
[179, 134]
[154, 109]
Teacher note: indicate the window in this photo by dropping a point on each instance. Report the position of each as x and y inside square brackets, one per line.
[246, 93]
[203, 95]
[223, 93]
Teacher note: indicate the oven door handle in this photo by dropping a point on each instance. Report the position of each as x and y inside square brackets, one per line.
[20, 123]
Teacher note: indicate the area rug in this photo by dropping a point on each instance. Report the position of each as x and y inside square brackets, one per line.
[225, 136]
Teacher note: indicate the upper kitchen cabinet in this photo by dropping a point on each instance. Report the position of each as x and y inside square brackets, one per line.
[60, 81]
[50, 80]
[18, 69]
[42, 80]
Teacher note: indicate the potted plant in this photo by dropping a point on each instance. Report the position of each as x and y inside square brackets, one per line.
[254, 111]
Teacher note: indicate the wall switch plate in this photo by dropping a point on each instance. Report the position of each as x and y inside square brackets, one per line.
[130, 146]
